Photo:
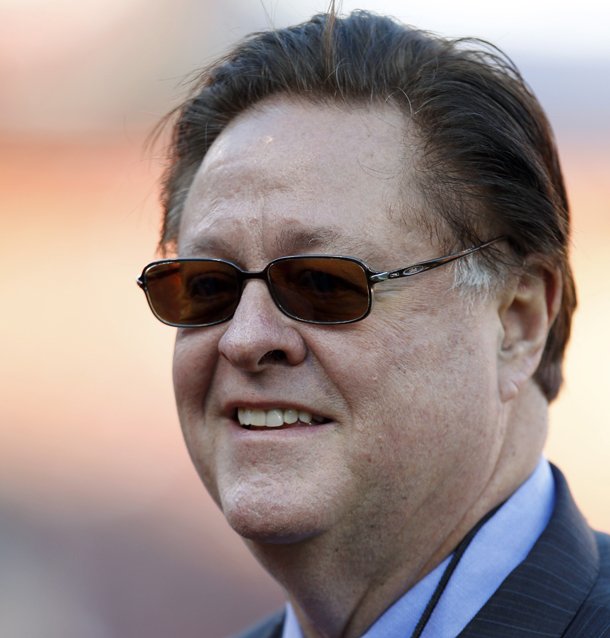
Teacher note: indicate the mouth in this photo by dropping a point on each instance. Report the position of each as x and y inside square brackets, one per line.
[277, 418]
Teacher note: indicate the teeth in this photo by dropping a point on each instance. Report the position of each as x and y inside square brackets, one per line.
[244, 416]
[276, 417]
[257, 417]
[304, 417]
[291, 416]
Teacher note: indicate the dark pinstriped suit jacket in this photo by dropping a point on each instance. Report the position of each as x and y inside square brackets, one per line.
[561, 589]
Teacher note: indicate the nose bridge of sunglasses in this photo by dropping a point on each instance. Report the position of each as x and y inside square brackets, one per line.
[252, 281]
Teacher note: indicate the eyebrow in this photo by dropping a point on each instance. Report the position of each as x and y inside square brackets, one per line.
[299, 239]
[291, 241]
[207, 245]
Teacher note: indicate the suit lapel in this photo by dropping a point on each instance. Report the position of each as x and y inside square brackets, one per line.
[542, 595]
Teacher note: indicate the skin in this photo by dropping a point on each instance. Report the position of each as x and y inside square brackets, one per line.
[433, 417]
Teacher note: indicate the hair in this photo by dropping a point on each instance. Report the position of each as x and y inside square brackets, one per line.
[487, 163]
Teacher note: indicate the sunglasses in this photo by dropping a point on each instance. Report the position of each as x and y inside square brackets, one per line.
[320, 289]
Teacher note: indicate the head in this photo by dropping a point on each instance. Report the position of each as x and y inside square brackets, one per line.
[487, 164]
[360, 136]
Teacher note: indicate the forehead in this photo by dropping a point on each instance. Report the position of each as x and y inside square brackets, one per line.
[320, 176]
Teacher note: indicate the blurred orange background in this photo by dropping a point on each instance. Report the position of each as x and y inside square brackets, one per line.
[105, 530]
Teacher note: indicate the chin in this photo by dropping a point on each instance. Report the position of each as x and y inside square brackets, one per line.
[271, 532]
[275, 522]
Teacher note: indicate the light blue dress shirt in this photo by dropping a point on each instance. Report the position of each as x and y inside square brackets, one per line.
[499, 546]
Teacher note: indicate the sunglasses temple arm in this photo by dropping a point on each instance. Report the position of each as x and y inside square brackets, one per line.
[409, 271]
[430, 264]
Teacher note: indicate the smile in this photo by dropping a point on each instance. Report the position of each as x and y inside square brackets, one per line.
[276, 418]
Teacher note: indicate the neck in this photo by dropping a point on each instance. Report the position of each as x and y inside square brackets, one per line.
[338, 589]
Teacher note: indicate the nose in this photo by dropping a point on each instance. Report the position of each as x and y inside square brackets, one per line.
[259, 335]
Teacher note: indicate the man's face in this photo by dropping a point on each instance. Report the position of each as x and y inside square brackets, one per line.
[408, 397]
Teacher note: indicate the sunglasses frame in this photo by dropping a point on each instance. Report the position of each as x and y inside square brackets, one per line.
[373, 277]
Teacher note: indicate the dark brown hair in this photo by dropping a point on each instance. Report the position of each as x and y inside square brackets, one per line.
[488, 159]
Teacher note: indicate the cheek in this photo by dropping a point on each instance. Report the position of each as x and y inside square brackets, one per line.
[419, 385]
[193, 366]
[388, 369]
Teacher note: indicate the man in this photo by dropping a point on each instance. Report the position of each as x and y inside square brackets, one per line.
[382, 460]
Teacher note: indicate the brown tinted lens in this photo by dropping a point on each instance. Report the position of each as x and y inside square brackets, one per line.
[320, 289]
[193, 293]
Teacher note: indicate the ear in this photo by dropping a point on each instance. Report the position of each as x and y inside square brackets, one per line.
[528, 309]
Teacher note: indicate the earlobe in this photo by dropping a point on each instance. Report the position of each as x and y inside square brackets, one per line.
[527, 312]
